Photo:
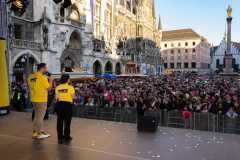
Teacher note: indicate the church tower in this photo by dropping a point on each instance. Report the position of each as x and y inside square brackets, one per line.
[146, 18]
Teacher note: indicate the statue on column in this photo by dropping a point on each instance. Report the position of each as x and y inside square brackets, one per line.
[45, 30]
[228, 58]
[229, 11]
[45, 36]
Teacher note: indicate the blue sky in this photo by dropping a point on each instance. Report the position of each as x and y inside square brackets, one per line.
[207, 17]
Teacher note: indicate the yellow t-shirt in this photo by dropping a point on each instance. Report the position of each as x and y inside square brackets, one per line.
[38, 86]
[64, 92]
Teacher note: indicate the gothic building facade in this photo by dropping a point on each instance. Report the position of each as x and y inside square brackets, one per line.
[85, 37]
[129, 32]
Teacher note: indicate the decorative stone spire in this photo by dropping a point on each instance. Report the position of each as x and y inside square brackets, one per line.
[153, 9]
[159, 23]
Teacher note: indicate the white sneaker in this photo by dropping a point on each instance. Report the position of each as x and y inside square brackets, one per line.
[43, 135]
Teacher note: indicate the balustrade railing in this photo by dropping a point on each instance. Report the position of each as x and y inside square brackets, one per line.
[19, 43]
[78, 24]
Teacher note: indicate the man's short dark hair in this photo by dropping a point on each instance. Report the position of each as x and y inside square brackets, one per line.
[64, 78]
[41, 65]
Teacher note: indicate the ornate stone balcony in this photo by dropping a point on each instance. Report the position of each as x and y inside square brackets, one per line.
[98, 45]
[78, 24]
[19, 43]
[125, 59]
[74, 51]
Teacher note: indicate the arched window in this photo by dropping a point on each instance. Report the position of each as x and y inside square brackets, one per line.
[97, 67]
[108, 67]
[118, 69]
[24, 65]
[75, 41]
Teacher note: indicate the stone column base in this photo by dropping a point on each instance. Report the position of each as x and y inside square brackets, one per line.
[228, 65]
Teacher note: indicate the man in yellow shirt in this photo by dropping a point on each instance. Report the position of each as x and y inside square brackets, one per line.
[64, 95]
[38, 85]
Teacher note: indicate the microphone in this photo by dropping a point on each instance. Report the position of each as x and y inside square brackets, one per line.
[48, 74]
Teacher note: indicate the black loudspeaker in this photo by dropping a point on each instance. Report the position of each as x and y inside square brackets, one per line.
[147, 123]
[57, 1]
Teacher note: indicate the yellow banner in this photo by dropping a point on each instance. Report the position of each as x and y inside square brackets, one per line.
[4, 88]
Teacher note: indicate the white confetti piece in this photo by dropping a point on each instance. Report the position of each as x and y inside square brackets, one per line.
[171, 150]
[158, 156]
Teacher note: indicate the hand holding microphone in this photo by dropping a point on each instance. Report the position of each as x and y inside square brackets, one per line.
[50, 78]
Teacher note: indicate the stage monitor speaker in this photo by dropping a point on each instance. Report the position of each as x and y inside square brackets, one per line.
[147, 123]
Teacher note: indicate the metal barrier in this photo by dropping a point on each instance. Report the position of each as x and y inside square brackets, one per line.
[201, 121]
[197, 121]
[117, 114]
[175, 119]
[228, 125]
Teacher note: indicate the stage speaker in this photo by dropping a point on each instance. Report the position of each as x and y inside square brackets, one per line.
[4, 84]
[147, 123]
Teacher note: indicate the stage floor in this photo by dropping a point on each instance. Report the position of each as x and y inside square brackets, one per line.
[103, 140]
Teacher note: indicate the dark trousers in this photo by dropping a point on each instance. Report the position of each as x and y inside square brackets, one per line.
[64, 117]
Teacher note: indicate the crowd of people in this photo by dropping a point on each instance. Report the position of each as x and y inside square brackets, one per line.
[180, 92]
[183, 92]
